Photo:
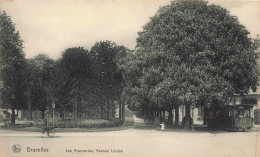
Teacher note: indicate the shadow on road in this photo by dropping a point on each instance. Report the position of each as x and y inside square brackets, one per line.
[51, 136]
[198, 128]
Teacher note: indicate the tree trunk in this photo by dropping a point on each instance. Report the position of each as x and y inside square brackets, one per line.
[86, 113]
[151, 116]
[30, 111]
[170, 118]
[29, 105]
[187, 118]
[13, 117]
[123, 111]
[76, 109]
[120, 109]
[73, 110]
[176, 110]
[102, 112]
[213, 123]
[42, 112]
[154, 115]
[113, 109]
[107, 106]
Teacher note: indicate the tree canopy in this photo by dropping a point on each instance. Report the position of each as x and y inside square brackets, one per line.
[198, 53]
[190, 53]
[72, 78]
[107, 75]
[12, 65]
[88, 82]
[40, 76]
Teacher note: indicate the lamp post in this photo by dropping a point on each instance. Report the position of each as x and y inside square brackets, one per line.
[53, 109]
[47, 115]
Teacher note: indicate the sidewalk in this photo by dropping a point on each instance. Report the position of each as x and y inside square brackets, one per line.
[66, 130]
[137, 128]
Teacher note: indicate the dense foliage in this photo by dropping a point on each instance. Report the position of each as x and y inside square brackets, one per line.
[39, 81]
[89, 82]
[12, 66]
[192, 53]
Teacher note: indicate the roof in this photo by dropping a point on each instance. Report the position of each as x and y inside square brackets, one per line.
[253, 93]
[5, 112]
[238, 106]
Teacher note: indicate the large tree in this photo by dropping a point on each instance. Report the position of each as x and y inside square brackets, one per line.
[40, 77]
[90, 83]
[12, 65]
[107, 75]
[209, 53]
[73, 80]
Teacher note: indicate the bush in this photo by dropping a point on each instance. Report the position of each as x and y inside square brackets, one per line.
[29, 123]
[74, 123]
[82, 123]
[38, 124]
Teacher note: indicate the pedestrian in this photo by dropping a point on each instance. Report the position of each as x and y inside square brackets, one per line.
[183, 121]
[192, 125]
[45, 126]
[162, 126]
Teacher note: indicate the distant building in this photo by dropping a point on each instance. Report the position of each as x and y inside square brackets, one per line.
[4, 114]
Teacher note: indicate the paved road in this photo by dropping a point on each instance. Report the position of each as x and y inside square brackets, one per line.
[133, 142]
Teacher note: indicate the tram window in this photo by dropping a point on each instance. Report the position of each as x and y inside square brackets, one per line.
[246, 113]
[235, 113]
[240, 113]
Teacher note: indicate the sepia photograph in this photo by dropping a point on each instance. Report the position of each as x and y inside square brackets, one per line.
[130, 78]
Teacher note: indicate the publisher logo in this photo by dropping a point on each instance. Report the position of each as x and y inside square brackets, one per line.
[16, 148]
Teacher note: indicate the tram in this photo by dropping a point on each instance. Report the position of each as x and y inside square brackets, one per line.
[229, 117]
[257, 116]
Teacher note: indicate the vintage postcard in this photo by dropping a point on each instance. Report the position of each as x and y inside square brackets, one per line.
[144, 78]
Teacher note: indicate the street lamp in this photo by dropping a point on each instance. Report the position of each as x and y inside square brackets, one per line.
[47, 115]
[53, 108]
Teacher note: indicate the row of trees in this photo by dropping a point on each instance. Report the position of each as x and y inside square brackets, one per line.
[89, 81]
[189, 53]
[82, 81]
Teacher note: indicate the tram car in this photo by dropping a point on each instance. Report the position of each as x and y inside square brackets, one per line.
[257, 116]
[229, 117]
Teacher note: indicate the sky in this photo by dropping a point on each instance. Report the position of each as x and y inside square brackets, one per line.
[51, 26]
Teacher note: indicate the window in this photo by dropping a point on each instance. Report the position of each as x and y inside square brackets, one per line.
[192, 112]
[199, 112]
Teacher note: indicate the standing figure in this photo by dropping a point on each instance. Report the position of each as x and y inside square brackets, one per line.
[45, 127]
[162, 126]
